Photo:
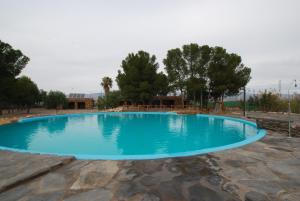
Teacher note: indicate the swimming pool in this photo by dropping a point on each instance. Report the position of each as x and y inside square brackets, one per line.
[127, 135]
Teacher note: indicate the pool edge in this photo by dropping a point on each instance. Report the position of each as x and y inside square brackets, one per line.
[261, 133]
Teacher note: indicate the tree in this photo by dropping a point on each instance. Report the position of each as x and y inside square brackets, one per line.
[197, 69]
[26, 93]
[12, 61]
[56, 100]
[111, 100]
[106, 84]
[197, 59]
[177, 70]
[227, 74]
[138, 82]
[162, 84]
[187, 70]
[191, 54]
[196, 87]
[42, 97]
[11, 64]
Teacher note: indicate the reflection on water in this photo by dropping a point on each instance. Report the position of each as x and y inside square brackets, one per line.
[54, 125]
[126, 134]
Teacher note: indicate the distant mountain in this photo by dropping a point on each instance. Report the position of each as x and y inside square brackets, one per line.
[241, 96]
[95, 96]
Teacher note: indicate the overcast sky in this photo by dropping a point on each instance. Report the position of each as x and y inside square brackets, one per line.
[73, 44]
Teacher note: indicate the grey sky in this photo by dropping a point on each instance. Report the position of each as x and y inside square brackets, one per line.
[72, 44]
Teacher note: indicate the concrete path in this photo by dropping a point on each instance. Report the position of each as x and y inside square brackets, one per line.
[265, 170]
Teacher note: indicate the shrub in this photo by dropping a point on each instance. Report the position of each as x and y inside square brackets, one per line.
[271, 102]
[56, 100]
[111, 100]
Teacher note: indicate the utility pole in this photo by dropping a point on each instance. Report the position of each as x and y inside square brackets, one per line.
[294, 84]
[279, 88]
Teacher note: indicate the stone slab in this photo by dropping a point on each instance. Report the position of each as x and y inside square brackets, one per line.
[19, 167]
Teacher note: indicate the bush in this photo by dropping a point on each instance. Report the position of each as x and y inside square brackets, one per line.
[111, 100]
[295, 104]
[271, 102]
[26, 93]
[56, 100]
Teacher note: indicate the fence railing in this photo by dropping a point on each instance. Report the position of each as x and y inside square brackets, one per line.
[162, 108]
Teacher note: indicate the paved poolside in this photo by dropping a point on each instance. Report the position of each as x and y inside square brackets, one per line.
[265, 170]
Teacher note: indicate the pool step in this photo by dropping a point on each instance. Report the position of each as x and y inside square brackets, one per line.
[17, 168]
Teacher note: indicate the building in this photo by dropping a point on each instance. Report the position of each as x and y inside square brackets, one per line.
[80, 101]
[167, 100]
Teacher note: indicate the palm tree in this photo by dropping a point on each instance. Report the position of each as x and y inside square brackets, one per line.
[106, 84]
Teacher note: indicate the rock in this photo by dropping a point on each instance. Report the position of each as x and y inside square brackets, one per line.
[201, 193]
[149, 181]
[126, 175]
[173, 168]
[17, 193]
[129, 189]
[24, 192]
[291, 196]
[95, 174]
[268, 187]
[26, 166]
[51, 182]
[255, 196]
[149, 166]
[127, 164]
[233, 189]
[287, 168]
[143, 197]
[91, 195]
[150, 197]
[214, 180]
[170, 191]
[278, 125]
[53, 196]
[234, 163]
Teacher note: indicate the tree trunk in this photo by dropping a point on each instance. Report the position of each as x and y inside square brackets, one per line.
[194, 97]
[182, 98]
[217, 107]
[28, 110]
[201, 99]
[222, 104]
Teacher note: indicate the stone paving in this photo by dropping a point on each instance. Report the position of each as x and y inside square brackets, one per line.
[265, 170]
[16, 168]
[273, 115]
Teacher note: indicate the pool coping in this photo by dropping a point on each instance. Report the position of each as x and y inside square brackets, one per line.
[261, 133]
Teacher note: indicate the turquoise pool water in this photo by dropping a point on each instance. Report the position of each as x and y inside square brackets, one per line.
[127, 135]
